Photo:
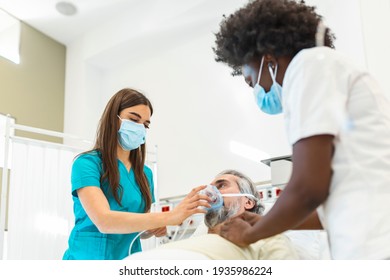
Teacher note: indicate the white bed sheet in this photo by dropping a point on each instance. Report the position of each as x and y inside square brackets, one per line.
[309, 245]
[167, 254]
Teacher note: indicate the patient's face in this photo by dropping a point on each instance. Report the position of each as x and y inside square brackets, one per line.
[227, 183]
[233, 206]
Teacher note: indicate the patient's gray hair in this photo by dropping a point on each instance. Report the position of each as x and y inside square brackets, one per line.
[246, 185]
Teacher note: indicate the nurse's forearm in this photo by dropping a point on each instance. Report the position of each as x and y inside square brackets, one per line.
[125, 222]
[98, 209]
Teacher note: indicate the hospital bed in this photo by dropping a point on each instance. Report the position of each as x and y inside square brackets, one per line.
[307, 244]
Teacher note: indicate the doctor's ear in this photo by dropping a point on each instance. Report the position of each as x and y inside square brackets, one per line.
[270, 60]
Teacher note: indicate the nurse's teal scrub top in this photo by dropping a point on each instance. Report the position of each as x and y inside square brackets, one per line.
[86, 242]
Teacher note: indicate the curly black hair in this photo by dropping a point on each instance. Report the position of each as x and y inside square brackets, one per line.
[276, 27]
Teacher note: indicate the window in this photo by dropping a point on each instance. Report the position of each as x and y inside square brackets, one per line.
[9, 37]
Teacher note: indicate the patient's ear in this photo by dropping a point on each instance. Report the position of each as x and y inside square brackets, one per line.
[249, 204]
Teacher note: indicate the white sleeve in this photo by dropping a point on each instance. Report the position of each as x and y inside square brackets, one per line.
[315, 93]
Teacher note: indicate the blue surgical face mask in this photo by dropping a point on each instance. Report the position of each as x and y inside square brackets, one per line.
[131, 135]
[269, 102]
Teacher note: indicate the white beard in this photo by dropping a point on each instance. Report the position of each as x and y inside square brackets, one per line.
[215, 217]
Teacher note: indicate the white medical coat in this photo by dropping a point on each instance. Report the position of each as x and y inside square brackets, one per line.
[324, 93]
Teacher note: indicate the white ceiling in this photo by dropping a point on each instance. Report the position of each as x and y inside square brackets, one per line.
[43, 16]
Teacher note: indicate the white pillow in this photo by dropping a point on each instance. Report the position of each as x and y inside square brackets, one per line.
[310, 244]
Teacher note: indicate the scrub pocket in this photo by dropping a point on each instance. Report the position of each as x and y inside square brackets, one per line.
[89, 246]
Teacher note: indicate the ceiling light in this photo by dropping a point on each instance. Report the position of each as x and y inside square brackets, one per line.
[247, 152]
[66, 8]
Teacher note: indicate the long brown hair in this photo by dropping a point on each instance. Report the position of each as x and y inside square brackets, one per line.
[107, 141]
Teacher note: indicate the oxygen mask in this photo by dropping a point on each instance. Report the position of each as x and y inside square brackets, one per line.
[216, 200]
[217, 197]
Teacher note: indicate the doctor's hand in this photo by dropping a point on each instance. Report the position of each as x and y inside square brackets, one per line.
[250, 217]
[239, 230]
[193, 203]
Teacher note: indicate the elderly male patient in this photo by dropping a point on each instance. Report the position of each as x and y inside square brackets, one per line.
[212, 246]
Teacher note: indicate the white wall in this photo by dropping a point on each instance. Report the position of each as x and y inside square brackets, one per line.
[344, 19]
[199, 110]
[375, 25]
[362, 32]
[165, 51]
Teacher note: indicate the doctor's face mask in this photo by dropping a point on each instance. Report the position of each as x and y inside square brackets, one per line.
[269, 102]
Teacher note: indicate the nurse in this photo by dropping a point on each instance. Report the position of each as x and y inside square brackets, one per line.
[112, 189]
[337, 121]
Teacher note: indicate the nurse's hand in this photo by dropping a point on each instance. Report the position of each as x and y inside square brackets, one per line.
[193, 203]
[240, 230]
[158, 232]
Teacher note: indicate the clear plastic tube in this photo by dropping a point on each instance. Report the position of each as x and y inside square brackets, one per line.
[134, 239]
[217, 197]
[185, 229]
[176, 232]
[238, 194]
[140, 233]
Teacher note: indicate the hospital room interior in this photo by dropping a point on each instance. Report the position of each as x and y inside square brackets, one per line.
[62, 61]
